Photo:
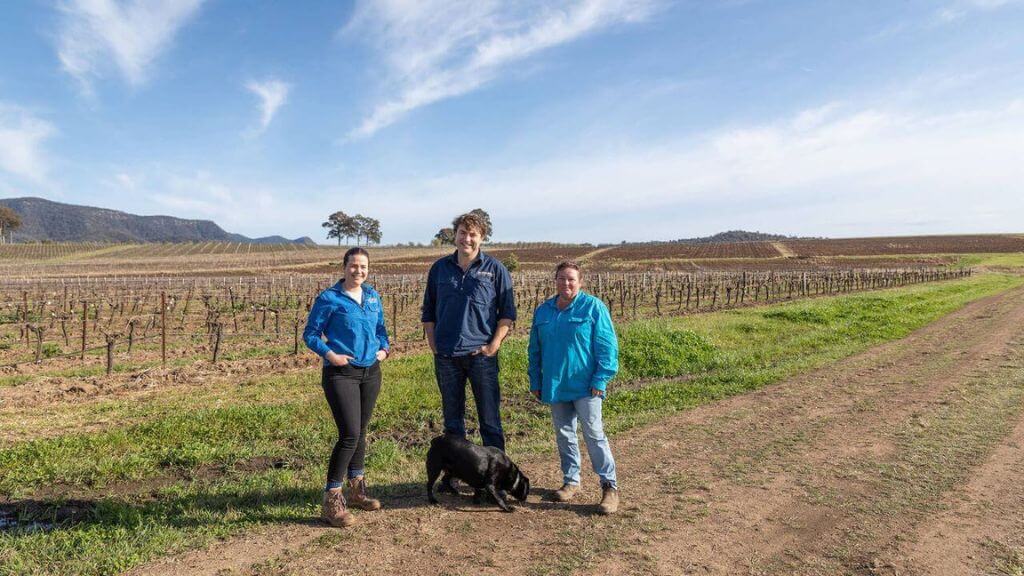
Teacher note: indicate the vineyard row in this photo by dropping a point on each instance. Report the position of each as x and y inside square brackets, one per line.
[64, 320]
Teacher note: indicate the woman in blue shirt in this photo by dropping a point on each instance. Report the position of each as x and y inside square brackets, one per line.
[346, 328]
[573, 354]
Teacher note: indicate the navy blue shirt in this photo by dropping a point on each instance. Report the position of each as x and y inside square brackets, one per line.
[465, 306]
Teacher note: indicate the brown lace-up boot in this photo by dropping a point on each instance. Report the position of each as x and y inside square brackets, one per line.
[565, 493]
[333, 510]
[357, 497]
[609, 499]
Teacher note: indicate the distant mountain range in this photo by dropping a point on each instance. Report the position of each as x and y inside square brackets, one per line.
[737, 236]
[44, 220]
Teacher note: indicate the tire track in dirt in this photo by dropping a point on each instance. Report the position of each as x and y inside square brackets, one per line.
[788, 485]
[784, 250]
[985, 520]
[782, 480]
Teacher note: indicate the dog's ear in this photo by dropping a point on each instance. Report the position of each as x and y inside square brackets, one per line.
[521, 487]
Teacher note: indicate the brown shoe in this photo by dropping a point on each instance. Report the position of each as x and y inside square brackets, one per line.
[565, 493]
[333, 510]
[357, 497]
[609, 500]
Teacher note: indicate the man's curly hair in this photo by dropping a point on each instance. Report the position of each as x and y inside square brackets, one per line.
[471, 220]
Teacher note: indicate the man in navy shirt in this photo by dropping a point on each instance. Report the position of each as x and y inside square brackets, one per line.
[468, 309]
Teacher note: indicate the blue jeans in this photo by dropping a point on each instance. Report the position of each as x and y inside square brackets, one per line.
[588, 411]
[482, 373]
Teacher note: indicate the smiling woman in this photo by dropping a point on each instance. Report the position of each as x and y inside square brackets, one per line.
[349, 315]
[573, 354]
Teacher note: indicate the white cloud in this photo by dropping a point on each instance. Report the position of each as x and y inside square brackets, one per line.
[22, 137]
[438, 49]
[272, 94]
[125, 180]
[831, 170]
[236, 205]
[131, 34]
[960, 8]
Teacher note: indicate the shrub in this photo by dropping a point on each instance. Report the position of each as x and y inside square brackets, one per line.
[511, 262]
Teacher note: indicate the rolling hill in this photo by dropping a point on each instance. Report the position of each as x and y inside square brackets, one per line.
[45, 220]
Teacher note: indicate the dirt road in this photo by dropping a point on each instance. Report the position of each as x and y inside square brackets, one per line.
[905, 459]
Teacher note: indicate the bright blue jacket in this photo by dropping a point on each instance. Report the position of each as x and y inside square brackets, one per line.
[572, 350]
[350, 328]
[465, 307]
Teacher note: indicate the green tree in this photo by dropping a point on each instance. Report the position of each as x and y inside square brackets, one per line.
[9, 221]
[338, 226]
[369, 228]
[444, 236]
[487, 222]
[351, 228]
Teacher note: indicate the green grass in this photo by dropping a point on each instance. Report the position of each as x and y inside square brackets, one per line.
[183, 476]
[1012, 260]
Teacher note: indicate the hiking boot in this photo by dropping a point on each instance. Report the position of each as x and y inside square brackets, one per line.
[333, 510]
[609, 499]
[565, 493]
[357, 497]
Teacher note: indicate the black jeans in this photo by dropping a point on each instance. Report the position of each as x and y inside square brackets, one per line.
[482, 373]
[351, 392]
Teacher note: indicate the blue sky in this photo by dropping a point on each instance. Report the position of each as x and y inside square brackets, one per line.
[573, 121]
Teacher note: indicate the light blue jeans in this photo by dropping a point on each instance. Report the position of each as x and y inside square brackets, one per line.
[588, 411]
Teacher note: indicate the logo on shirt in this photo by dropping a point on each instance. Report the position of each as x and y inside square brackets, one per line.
[371, 300]
[486, 275]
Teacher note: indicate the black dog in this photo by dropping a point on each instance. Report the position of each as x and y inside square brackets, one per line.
[486, 469]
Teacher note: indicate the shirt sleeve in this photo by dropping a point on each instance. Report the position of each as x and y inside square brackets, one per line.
[606, 348]
[506, 296]
[319, 314]
[534, 368]
[429, 312]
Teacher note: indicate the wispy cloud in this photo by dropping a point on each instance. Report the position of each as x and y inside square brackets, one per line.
[438, 49]
[130, 34]
[272, 94]
[829, 170]
[242, 205]
[960, 8]
[22, 137]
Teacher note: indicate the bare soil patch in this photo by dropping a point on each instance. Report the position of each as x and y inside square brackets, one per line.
[905, 459]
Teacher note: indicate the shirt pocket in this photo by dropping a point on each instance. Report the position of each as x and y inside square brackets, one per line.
[580, 330]
[543, 328]
[349, 319]
[372, 309]
[483, 292]
[447, 288]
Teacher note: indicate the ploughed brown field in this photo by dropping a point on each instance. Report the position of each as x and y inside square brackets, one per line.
[34, 261]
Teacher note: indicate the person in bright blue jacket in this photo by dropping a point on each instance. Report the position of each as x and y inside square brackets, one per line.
[573, 354]
[346, 328]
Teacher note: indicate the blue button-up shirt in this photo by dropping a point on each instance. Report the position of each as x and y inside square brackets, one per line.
[350, 328]
[572, 350]
[465, 306]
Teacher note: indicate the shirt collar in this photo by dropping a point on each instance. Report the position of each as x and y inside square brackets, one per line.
[575, 301]
[454, 258]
